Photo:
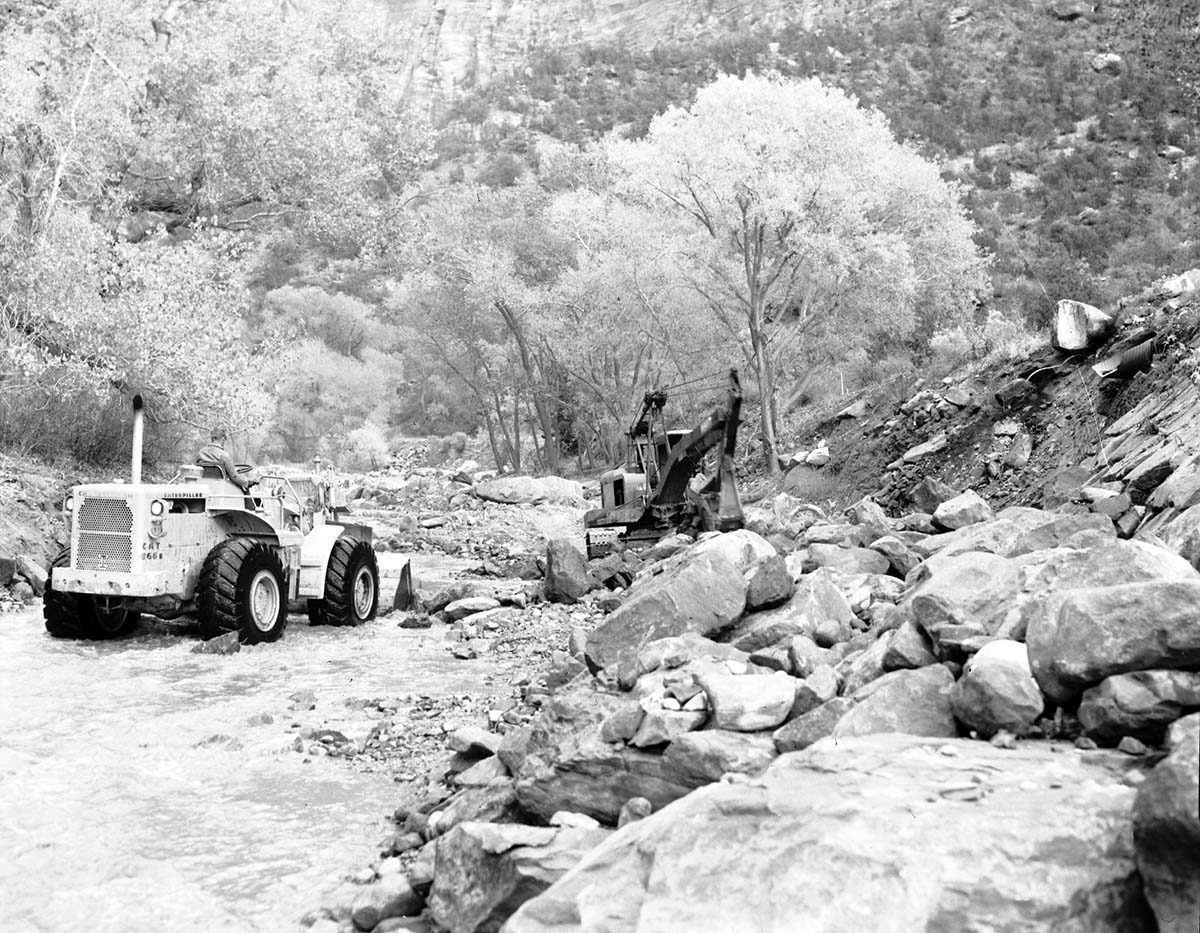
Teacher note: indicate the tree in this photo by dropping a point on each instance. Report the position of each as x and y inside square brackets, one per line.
[805, 227]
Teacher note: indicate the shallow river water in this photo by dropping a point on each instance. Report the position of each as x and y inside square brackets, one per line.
[141, 787]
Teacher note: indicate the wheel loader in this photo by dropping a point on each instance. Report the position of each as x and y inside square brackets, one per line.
[200, 546]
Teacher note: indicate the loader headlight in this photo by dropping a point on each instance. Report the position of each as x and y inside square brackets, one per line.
[69, 503]
[157, 507]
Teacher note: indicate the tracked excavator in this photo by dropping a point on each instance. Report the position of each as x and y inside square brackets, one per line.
[662, 488]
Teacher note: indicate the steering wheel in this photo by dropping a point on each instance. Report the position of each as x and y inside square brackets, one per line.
[243, 468]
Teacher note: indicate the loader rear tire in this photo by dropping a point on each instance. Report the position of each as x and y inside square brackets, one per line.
[351, 586]
[242, 590]
[76, 615]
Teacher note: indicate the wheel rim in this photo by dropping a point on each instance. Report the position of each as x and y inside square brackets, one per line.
[364, 592]
[264, 600]
[111, 621]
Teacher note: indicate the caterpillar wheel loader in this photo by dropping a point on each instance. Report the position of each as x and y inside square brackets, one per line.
[200, 546]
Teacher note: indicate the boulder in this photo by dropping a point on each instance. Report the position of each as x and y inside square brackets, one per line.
[700, 758]
[1166, 830]
[1080, 326]
[901, 558]
[474, 741]
[974, 588]
[909, 648]
[703, 594]
[748, 702]
[843, 534]
[1141, 704]
[873, 833]
[817, 688]
[997, 691]
[1113, 630]
[512, 490]
[485, 871]
[1062, 531]
[390, 896]
[812, 726]
[967, 508]
[660, 726]
[928, 494]
[519, 490]
[769, 584]
[859, 669]
[742, 548]
[848, 559]
[805, 656]
[567, 577]
[915, 702]
[567, 765]
[870, 517]
[33, 572]
[680, 650]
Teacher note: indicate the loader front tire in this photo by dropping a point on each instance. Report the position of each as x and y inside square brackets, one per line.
[242, 590]
[351, 586]
[76, 615]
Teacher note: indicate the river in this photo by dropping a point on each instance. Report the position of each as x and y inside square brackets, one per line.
[143, 787]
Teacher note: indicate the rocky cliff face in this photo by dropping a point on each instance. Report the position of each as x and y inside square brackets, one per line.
[458, 44]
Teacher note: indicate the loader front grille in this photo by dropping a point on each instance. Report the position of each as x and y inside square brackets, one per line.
[105, 539]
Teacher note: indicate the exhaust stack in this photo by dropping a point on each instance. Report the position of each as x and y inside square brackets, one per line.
[137, 439]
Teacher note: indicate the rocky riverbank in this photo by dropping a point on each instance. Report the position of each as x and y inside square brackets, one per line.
[953, 718]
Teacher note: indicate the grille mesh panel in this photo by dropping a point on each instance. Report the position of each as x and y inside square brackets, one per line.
[105, 536]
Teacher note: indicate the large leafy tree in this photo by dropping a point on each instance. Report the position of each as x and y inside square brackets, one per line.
[807, 229]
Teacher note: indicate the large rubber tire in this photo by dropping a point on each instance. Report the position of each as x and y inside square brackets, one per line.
[351, 586]
[75, 615]
[242, 590]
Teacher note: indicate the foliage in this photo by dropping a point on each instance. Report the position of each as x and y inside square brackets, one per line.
[806, 229]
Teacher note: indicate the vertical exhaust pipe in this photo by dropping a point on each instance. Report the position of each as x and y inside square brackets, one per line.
[137, 439]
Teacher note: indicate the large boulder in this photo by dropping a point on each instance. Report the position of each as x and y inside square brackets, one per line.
[915, 702]
[1166, 830]
[742, 548]
[1141, 704]
[700, 758]
[704, 593]
[873, 833]
[997, 691]
[748, 702]
[485, 871]
[566, 764]
[974, 589]
[517, 490]
[567, 576]
[768, 584]
[1113, 630]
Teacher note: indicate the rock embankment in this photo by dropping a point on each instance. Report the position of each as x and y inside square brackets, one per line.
[940, 719]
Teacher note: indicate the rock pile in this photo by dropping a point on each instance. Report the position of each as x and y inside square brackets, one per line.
[853, 660]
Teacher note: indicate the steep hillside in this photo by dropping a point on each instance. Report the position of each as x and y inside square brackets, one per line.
[1044, 430]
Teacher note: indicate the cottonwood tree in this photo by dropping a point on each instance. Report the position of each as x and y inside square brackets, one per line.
[804, 225]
